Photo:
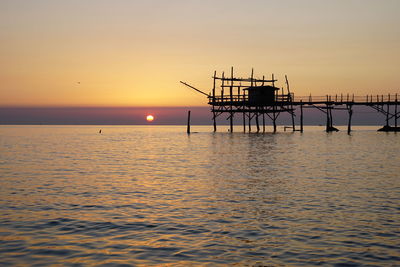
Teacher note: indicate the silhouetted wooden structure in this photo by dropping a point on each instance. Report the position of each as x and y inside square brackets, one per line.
[255, 98]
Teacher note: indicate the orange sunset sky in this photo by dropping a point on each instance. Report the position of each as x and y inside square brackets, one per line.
[134, 53]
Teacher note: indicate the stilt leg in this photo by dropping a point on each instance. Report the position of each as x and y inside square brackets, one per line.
[263, 115]
[231, 123]
[301, 117]
[249, 122]
[257, 122]
[215, 123]
[328, 123]
[350, 115]
[244, 122]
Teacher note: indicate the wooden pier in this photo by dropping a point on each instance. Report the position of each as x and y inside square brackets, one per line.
[259, 98]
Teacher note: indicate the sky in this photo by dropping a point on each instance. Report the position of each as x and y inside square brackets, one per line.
[121, 53]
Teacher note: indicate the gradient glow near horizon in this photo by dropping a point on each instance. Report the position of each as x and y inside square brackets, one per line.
[134, 53]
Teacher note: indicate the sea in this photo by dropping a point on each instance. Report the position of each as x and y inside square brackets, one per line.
[156, 196]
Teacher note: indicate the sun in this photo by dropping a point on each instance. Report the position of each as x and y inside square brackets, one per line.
[149, 118]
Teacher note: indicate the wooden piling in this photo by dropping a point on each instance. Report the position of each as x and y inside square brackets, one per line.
[395, 112]
[263, 118]
[273, 80]
[328, 123]
[274, 117]
[252, 75]
[249, 122]
[301, 115]
[257, 122]
[231, 101]
[222, 86]
[213, 99]
[350, 115]
[291, 102]
[188, 123]
[293, 125]
[387, 115]
[244, 122]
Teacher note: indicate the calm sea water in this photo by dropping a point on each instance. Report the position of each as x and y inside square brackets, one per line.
[147, 195]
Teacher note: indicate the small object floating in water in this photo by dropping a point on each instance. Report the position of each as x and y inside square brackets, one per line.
[100, 131]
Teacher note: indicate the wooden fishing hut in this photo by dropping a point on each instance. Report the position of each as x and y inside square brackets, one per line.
[261, 95]
[257, 98]
[251, 98]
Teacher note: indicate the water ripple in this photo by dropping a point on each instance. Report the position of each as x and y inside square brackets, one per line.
[155, 196]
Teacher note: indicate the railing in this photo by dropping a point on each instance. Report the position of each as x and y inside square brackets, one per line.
[238, 98]
[348, 98]
[228, 98]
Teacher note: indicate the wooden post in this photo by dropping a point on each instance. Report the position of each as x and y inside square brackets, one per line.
[222, 86]
[327, 115]
[263, 116]
[301, 115]
[273, 80]
[274, 116]
[244, 112]
[257, 122]
[188, 123]
[395, 112]
[213, 90]
[249, 122]
[251, 85]
[251, 81]
[244, 121]
[387, 115]
[231, 100]
[328, 123]
[350, 115]
[231, 122]
[293, 125]
[213, 106]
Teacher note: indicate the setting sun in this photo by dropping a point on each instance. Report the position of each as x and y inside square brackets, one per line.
[149, 118]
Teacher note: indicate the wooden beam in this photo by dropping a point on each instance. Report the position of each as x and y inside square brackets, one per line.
[201, 92]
